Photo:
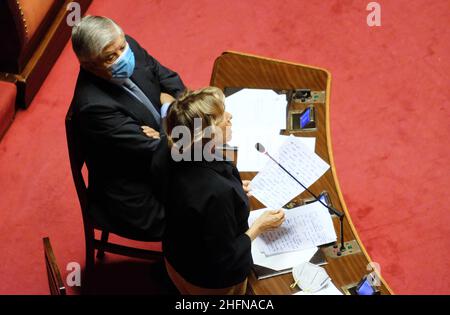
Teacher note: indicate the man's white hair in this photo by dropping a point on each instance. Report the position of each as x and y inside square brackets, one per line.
[92, 35]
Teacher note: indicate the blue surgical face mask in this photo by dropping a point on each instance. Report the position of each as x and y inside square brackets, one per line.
[123, 67]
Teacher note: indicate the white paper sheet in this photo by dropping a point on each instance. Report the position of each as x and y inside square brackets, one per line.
[273, 187]
[280, 261]
[272, 144]
[329, 289]
[305, 227]
[258, 116]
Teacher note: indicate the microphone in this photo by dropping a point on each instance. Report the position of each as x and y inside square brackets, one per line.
[339, 214]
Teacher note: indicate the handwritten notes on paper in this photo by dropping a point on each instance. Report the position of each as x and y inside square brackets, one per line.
[274, 187]
[305, 227]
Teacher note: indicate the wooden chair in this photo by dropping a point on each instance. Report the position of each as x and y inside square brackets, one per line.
[55, 281]
[77, 160]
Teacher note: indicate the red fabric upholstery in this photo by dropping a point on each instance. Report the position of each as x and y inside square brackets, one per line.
[34, 14]
[7, 105]
[24, 23]
[33, 34]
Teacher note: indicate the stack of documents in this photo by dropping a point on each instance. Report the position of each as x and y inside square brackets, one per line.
[305, 227]
[283, 261]
[258, 116]
[296, 240]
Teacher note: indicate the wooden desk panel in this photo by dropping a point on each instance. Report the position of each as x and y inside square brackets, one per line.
[236, 70]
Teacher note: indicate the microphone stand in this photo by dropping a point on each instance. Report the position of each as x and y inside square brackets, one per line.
[339, 214]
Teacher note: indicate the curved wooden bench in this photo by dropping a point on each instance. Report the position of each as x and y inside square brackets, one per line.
[238, 70]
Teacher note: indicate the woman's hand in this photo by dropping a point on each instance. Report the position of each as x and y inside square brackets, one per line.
[246, 187]
[268, 220]
[151, 133]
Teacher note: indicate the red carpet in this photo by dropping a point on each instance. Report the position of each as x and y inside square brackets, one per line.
[389, 115]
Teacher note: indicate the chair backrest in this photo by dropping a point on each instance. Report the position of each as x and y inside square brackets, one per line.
[23, 26]
[77, 160]
[55, 281]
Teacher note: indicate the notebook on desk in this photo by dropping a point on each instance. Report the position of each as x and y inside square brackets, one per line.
[262, 272]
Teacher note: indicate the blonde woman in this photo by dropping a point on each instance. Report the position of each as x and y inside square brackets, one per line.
[207, 243]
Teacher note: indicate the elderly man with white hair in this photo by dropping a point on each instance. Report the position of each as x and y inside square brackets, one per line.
[117, 114]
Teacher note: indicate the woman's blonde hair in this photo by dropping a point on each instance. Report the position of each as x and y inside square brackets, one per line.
[204, 105]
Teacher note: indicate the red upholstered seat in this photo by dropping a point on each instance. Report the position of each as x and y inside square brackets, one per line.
[7, 105]
[33, 34]
[23, 26]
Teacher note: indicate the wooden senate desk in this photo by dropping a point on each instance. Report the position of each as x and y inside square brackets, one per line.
[235, 70]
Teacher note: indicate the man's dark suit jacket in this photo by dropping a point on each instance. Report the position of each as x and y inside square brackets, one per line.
[126, 168]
